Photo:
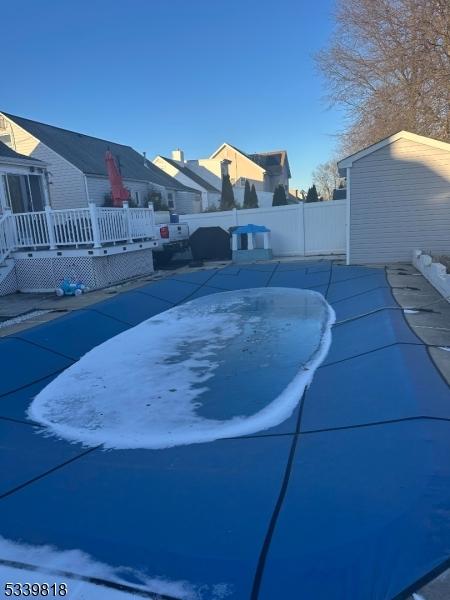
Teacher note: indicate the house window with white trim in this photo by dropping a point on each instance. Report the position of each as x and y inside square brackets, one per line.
[24, 193]
[170, 201]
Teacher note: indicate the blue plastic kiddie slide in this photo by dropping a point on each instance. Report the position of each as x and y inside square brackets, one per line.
[266, 431]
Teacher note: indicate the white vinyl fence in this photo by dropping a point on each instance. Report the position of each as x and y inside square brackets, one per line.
[297, 229]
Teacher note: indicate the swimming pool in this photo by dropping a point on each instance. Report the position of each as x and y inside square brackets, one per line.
[346, 498]
[220, 366]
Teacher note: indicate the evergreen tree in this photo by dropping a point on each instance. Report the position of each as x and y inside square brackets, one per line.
[253, 197]
[312, 195]
[279, 196]
[227, 199]
[247, 195]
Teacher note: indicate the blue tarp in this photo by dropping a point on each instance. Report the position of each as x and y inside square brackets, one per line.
[349, 498]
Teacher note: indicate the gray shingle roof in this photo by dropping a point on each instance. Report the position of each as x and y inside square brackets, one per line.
[191, 174]
[7, 152]
[272, 162]
[87, 153]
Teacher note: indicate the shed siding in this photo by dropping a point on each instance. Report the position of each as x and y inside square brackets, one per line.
[67, 188]
[400, 200]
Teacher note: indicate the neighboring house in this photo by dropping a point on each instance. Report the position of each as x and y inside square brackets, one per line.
[264, 170]
[23, 182]
[398, 193]
[177, 168]
[276, 167]
[77, 169]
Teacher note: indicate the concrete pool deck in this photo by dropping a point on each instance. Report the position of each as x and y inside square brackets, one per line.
[349, 500]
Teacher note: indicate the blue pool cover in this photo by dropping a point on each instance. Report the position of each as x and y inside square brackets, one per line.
[349, 498]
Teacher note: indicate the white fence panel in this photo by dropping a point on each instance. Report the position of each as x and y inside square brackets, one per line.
[285, 223]
[325, 227]
[224, 219]
[297, 229]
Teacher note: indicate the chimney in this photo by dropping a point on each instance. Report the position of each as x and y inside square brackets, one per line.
[224, 166]
[178, 155]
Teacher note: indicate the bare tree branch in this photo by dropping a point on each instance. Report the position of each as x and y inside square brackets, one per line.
[388, 65]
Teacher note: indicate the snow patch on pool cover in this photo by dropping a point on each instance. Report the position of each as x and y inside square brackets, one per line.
[27, 563]
[141, 388]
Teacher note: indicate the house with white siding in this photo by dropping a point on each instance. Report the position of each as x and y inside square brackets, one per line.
[180, 170]
[77, 170]
[398, 199]
[56, 223]
[264, 170]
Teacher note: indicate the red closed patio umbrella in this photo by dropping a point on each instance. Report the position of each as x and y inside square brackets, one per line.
[119, 193]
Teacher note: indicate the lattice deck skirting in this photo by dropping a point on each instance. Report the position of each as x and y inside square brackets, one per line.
[8, 282]
[44, 274]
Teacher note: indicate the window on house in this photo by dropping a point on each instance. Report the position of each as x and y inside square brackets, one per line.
[6, 139]
[137, 198]
[24, 193]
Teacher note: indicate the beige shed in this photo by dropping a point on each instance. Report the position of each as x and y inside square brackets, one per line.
[398, 193]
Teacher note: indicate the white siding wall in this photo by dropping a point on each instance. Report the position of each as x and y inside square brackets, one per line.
[99, 186]
[208, 169]
[187, 202]
[67, 187]
[399, 201]
[208, 198]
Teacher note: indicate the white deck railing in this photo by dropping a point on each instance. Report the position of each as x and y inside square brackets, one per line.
[74, 227]
[6, 236]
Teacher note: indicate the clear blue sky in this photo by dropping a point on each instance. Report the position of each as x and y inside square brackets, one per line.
[161, 74]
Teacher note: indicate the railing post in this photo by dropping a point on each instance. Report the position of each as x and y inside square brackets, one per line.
[50, 229]
[11, 231]
[127, 214]
[94, 224]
